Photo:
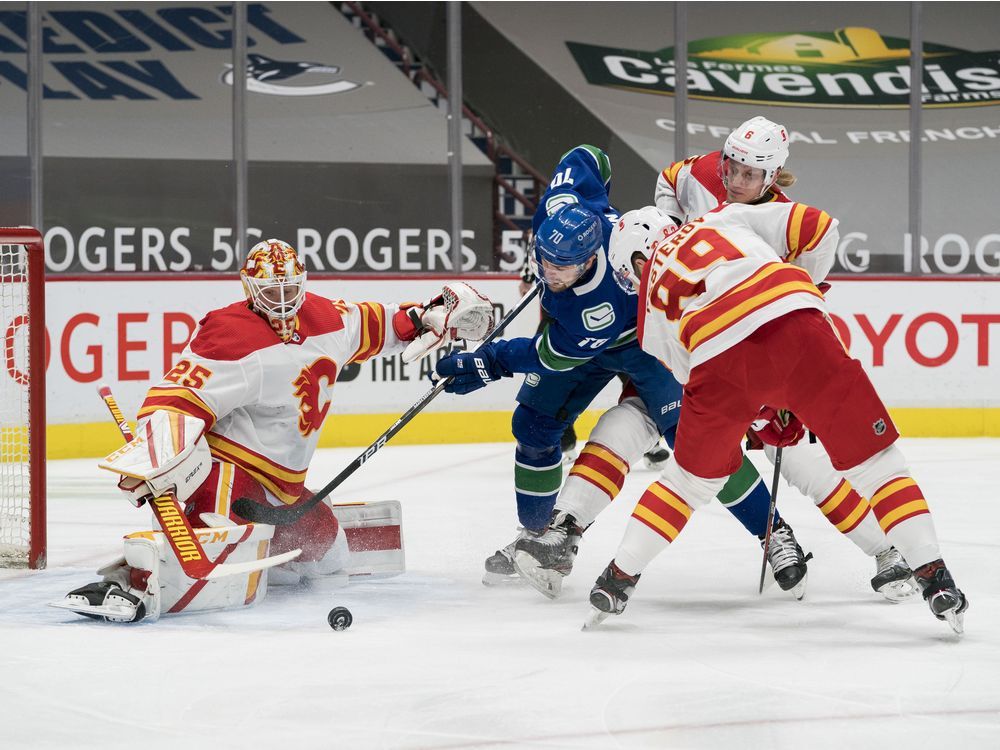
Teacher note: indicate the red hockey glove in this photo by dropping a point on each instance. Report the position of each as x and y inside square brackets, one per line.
[779, 428]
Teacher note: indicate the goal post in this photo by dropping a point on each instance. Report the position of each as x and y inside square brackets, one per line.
[22, 398]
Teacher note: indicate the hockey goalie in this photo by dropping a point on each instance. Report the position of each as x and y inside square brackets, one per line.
[239, 416]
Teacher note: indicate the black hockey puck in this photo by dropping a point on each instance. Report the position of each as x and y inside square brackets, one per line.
[340, 618]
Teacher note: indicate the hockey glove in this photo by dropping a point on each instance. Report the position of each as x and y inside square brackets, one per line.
[778, 427]
[168, 453]
[470, 371]
[459, 312]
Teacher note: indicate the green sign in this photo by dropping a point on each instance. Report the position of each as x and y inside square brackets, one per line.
[851, 67]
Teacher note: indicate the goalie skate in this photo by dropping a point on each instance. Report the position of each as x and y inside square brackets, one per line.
[893, 578]
[103, 601]
[544, 561]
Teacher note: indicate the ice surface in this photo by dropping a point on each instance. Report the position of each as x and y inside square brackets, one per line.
[436, 660]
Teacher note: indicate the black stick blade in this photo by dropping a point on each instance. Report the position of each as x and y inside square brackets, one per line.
[246, 508]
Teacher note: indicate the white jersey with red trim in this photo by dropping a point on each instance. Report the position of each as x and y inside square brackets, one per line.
[719, 278]
[264, 401]
[691, 188]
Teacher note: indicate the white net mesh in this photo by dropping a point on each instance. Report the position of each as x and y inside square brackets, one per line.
[15, 435]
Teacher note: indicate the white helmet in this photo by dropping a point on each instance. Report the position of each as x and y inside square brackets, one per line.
[759, 143]
[638, 231]
[274, 280]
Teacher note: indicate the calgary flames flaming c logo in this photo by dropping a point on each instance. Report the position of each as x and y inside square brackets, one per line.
[308, 386]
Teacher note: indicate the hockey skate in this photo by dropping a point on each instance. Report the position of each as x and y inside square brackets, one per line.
[544, 560]
[656, 458]
[945, 599]
[788, 564]
[893, 578]
[103, 600]
[610, 594]
[500, 565]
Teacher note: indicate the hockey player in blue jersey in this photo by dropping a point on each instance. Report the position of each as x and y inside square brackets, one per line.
[589, 341]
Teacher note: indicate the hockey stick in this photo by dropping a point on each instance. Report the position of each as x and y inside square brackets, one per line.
[278, 516]
[770, 516]
[176, 526]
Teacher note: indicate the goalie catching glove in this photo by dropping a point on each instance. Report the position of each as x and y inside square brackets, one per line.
[459, 312]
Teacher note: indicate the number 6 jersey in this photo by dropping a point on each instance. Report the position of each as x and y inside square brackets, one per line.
[719, 278]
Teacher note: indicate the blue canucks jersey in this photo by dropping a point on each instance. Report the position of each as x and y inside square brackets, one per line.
[594, 314]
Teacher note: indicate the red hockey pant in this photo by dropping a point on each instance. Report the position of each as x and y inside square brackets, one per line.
[795, 362]
[314, 533]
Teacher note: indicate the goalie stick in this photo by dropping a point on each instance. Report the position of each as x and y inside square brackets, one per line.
[248, 509]
[177, 528]
[770, 516]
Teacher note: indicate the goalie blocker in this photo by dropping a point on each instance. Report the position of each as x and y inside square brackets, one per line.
[147, 581]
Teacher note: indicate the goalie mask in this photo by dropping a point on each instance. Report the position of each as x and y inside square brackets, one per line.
[633, 239]
[759, 144]
[274, 280]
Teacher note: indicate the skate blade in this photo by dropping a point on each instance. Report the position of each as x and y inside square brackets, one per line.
[119, 612]
[501, 579]
[799, 589]
[544, 581]
[956, 620]
[596, 617]
[899, 591]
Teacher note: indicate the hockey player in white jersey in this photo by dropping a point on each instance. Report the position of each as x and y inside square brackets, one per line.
[729, 302]
[240, 415]
[749, 169]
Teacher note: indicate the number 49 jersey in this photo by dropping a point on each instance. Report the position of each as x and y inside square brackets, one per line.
[263, 402]
[719, 278]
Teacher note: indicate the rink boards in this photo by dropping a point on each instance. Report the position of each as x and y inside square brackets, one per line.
[931, 346]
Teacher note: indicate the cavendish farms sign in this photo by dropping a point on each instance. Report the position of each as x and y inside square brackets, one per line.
[852, 67]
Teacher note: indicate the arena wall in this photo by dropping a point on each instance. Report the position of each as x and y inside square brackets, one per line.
[930, 345]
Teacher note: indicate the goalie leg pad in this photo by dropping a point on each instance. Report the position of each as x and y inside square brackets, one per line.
[373, 532]
[150, 572]
[230, 544]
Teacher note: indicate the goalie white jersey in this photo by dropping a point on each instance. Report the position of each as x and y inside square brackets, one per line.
[249, 387]
[719, 278]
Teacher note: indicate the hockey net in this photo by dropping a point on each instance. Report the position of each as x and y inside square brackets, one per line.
[22, 398]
